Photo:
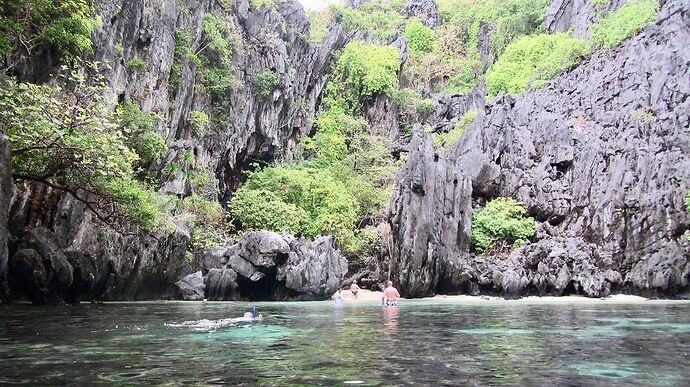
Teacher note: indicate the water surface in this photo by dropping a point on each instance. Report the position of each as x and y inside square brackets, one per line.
[318, 343]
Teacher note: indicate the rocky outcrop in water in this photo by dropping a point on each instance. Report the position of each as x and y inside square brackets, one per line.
[600, 158]
[265, 265]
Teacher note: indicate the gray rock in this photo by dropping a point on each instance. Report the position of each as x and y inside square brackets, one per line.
[577, 15]
[314, 268]
[5, 195]
[267, 265]
[192, 287]
[39, 269]
[221, 285]
[598, 157]
[425, 10]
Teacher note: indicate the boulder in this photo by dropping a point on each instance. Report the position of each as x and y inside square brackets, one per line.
[192, 287]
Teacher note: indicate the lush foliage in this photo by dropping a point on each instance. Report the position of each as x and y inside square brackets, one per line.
[319, 23]
[501, 223]
[258, 4]
[419, 37]
[137, 127]
[138, 64]
[382, 18]
[264, 83]
[623, 23]
[67, 137]
[533, 60]
[687, 202]
[412, 107]
[364, 70]
[445, 140]
[183, 52]
[307, 201]
[454, 63]
[198, 121]
[215, 57]
[29, 25]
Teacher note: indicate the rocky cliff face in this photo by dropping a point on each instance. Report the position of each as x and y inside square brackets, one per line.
[5, 196]
[57, 251]
[577, 15]
[600, 157]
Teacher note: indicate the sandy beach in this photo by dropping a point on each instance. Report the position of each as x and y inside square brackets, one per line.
[369, 295]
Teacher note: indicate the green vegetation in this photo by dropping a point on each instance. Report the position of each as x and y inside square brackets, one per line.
[624, 23]
[501, 224]
[364, 70]
[347, 173]
[454, 63]
[687, 202]
[138, 64]
[137, 126]
[319, 23]
[382, 18]
[183, 51]
[66, 136]
[419, 37]
[445, 140]
[532, 61]
[215, 57]
[258, 4]
[32, 25]
[303, 200]
[264, 83]
[412, 107]
[198, 121]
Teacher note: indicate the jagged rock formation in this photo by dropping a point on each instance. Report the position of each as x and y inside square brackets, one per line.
[600, 157]
[5, 196]
[425, 10]
[104, 264]
[577, 15]
[265, 265]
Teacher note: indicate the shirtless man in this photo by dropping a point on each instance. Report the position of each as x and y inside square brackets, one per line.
[390, 295]
[354, 289]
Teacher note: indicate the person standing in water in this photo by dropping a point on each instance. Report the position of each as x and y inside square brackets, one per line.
[390, 295]
[337, 296]
[354, 289]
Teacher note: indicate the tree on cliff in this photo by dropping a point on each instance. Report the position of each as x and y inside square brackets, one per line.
[63, 26]
[66, 136]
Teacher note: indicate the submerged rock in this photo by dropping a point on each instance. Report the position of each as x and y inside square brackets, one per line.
[600, 157]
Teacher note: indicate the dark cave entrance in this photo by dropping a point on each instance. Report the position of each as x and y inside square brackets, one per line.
[268, 288]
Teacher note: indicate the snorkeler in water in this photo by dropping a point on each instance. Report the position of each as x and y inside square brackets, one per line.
[250, 316]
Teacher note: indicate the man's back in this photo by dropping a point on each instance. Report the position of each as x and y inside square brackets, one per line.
[391, 293]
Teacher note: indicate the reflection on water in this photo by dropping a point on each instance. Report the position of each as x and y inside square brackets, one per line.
[390, 317]
[318, 343]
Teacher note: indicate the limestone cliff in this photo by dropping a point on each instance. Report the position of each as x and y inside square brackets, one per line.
[50, 229]
[5, 196]
[600, 157]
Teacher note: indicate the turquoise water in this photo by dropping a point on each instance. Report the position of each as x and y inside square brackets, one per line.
[318, 343]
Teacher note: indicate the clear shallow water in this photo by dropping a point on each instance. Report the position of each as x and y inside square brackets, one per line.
[318, 343]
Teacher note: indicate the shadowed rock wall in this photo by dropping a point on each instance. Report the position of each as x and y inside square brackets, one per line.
[5, 196]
